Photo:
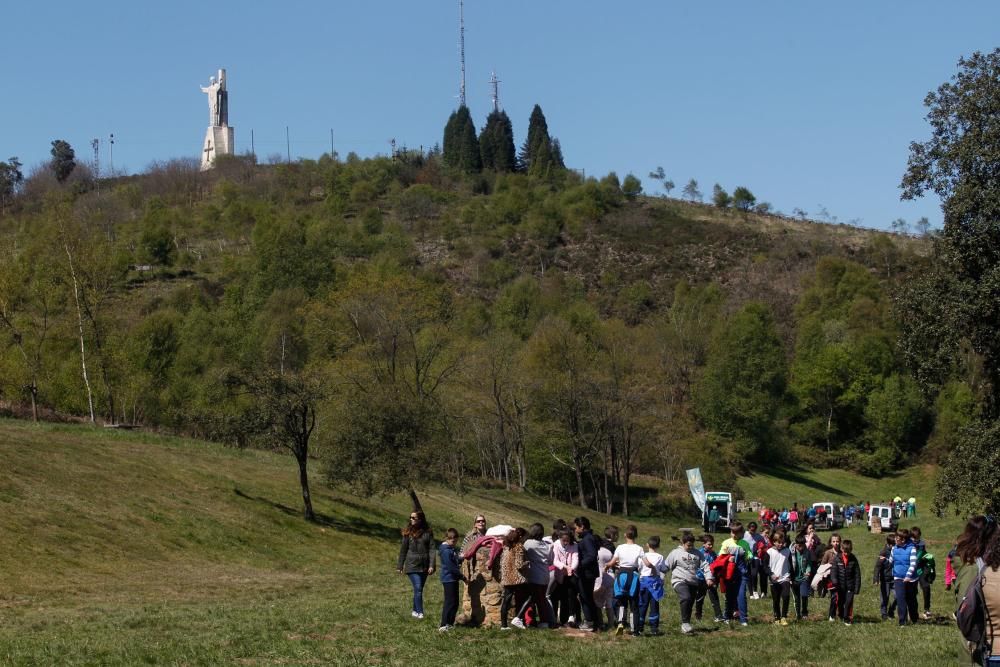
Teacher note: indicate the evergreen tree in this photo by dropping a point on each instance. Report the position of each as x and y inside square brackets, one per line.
[496, 143]
[691, 191]
[538, 132]
[461, 147]
[743, 199]
[631, 186]
[542, 160]
[557, 154]
[720, 197]
[63, 160]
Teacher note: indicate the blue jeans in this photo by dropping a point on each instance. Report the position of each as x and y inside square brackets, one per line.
[649, 611]
[736, 597]
[418, 579]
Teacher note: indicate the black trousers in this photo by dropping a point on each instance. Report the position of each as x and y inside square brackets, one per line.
[587, 603]
[836, 602]
[450, 603]
[925, 587]
[779, 599]
[713, 597]
[885, 596]
[849, 606]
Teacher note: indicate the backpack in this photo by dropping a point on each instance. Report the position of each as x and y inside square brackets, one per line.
[971, 612]
[930, 571]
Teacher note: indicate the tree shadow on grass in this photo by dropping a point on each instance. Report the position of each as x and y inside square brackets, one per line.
[790, 475]
[352, 525]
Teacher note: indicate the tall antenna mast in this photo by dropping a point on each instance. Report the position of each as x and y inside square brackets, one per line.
[495, 84]
[461, 51]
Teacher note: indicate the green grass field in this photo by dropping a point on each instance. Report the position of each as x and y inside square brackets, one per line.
[122, 548]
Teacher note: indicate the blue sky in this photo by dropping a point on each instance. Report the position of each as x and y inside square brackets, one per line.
[808, 104]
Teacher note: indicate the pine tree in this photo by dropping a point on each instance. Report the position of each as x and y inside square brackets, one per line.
[469, 159]
[496, 143]
[450, 145]
[542, 161]
[461, 148]
[557, 156]
[538, 130]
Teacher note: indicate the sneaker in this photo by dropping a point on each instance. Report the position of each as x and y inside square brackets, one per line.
[744, 624]
[719, 619]
[847, 623]
[928, 615]
[832, 619]
[636, 633]
[518, 623]
[783, 621]
[726, 621]
[571, 621]
[620, 630]
[415, 614]
[686, 628]
[585, 626]
[444, 628]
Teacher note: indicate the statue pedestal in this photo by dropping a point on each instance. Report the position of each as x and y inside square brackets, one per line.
[218, 141]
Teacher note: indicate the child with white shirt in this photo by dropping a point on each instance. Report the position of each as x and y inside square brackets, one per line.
[627, 559]
[684, 563]
[779, 563]
[651, 587]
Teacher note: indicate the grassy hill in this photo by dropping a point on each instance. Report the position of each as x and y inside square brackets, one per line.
[124, 548]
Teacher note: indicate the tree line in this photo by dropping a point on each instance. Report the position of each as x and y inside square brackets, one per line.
[403, 322]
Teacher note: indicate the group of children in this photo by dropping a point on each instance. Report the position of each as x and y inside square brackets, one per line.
[547, 581]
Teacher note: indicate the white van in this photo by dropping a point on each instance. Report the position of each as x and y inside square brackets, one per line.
[886, 516]
[722, 501]
[831, 519]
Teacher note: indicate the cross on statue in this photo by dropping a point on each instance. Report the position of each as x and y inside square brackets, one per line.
[208, 150]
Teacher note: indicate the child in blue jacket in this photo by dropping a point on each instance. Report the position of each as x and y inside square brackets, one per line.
[904, 576]
[451, 574]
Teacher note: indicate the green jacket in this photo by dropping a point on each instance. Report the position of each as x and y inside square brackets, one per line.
[965, 576]
[417, 555]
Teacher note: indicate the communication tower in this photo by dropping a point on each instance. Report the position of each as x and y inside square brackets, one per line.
[461, 51]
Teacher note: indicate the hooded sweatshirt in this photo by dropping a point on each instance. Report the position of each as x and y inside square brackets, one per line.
[684, 566]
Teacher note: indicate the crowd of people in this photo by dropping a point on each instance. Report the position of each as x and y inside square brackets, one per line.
[569, 576]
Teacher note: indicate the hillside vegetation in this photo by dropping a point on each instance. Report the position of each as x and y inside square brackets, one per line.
[123, 548]
[398, 322]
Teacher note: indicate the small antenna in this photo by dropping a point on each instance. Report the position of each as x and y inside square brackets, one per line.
[495, 85]
[111, 159]
[461, 51]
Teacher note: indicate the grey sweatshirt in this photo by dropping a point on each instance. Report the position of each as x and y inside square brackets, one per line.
[539, 554]
[684, 566]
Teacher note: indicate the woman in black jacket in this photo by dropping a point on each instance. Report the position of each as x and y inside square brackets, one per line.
[417, 558]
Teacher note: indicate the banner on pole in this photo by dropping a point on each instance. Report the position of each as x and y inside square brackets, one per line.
[697, 487]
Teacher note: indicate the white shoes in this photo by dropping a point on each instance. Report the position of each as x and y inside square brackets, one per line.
[444, 628]
[686, 628]
[518, 623]
[416, 614]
